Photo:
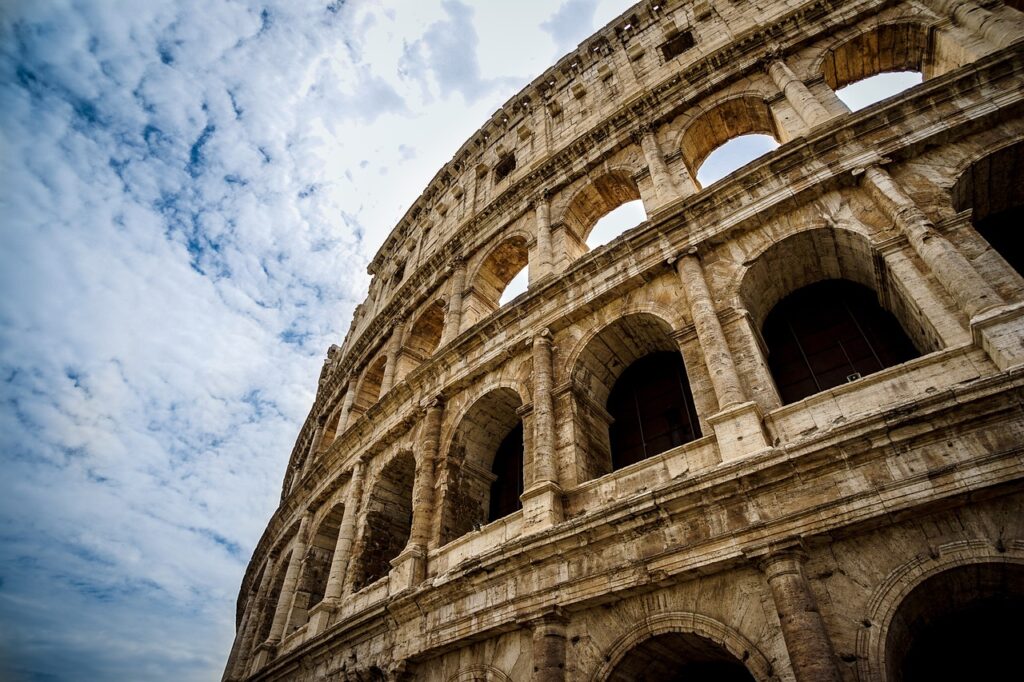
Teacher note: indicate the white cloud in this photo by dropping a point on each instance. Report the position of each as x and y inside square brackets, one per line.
[192, 191]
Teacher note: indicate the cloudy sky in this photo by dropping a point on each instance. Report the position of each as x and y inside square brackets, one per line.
[190, 194]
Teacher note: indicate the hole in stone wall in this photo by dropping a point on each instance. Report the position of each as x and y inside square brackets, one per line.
[617, 221]
[732, 155]
[517, 285]
[388, 520]
[875, 88]
[820, 336]
[505, 165]
[677, 45]
[679, 656]
[316, 568]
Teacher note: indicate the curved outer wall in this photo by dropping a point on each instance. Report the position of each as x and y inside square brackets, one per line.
[786, 535]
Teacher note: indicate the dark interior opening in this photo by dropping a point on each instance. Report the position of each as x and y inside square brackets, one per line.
[652, 409]
[505, 165]
[677, 44]
[507, 488]
[1004, 232]
[677, 656]
[829, 333]
[962, 624]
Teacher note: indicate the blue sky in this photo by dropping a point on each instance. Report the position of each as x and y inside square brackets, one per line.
[191, 192]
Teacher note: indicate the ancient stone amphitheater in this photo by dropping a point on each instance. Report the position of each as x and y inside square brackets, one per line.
[774, 432]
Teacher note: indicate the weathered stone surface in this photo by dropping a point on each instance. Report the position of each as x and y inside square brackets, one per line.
[792, 542]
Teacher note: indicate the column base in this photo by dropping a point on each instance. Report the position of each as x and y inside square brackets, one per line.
[320, 617]
[739, 430]
[542, 506]
[1000, 331]
[408, 569]
[264, 653]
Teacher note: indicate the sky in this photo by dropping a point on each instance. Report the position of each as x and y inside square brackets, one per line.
[190, 194]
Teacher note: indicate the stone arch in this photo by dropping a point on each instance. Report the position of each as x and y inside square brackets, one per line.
[316, 566]
[597, 198]
[387, 520]
[739, 647]
[709, 129]
[368, 391]
[425, 334]
[902, 45]
[990, 187]
[479, 673]
[497, 268]
[484, 436]
[809, 257]
[874, 638]
[604, 360]
[266, 618]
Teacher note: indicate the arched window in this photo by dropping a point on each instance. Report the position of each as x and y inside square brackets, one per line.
[425, 334]
[736, 153]
[615, 222]
[877, 64]
[652, 409]
[485, 461]
[632, 369]
[388, 520]
[680, 656]
[746, 121]
[316, 568]
[961, 624]
[993, 190]
[602, 209]
[496, 272]
[369, 385]
[829, 333]
[270, 604]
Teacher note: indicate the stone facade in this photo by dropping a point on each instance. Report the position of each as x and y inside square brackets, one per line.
[839, 536]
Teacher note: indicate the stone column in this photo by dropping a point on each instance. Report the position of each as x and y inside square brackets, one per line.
[410, 567]
[737, 424]
[810, 649]
[314, 446]
[797, 94]
[542, 211]
[236, 668]
[320, 614]
[542, 499]
[995, 29]
[391, 359]
[454, 318]
[291, 578]
[665, 188]
[549, 648]
[951, 268]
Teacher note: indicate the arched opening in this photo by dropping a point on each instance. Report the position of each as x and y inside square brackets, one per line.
[605, 207]
[817, 255]
[877, 64]
[829, 333]
[270, 603]
[651, 408]
[633, 394]
[516, 286]
[679, 656]
[615, 222]
[425, 334]
[484, 465]
[736, 153]
[316, 568]
[733, 118]
[991, 187]
[388, 520]
[961, 624]
[369, 386]
[495, 274]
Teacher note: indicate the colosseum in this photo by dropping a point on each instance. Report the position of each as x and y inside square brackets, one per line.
[773, 432]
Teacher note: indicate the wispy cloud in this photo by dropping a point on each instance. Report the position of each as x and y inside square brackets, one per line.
[191, 192]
